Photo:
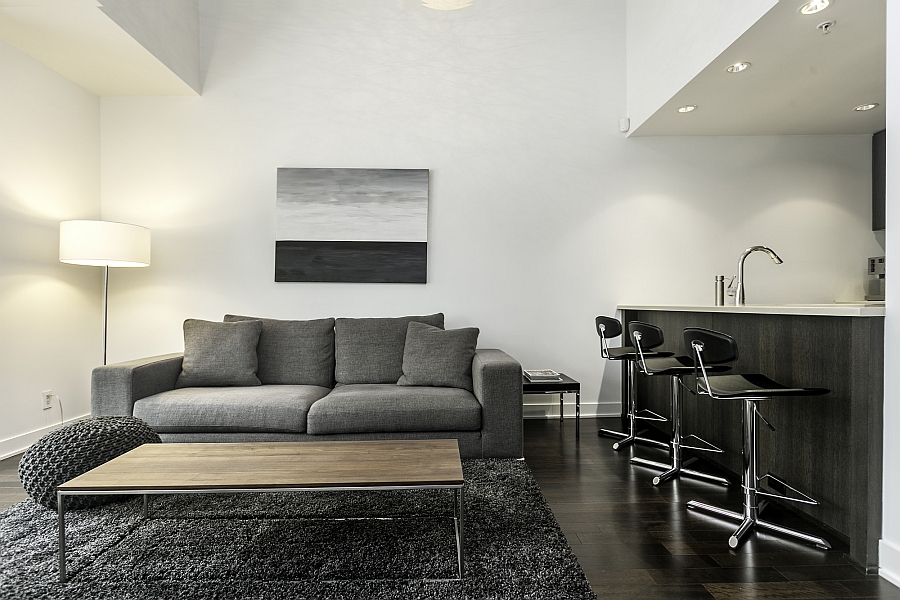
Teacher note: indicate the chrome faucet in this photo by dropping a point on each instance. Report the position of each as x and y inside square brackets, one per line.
[739, 292]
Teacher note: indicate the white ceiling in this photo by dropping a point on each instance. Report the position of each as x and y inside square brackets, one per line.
[800, 81]
[77, 40]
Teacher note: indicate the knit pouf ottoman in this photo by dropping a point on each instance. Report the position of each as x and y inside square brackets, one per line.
[72, 450]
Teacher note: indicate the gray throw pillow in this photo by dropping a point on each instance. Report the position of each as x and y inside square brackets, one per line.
[371, 350]
[294, 352]
[438, 357]
[219, 353]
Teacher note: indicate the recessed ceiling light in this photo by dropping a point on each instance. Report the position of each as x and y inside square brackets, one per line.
[446, 4]
[687, 108]
[814, 6]
[738, 67]
[863, 107]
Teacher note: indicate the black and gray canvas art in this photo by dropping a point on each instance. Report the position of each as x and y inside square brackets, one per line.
[351, 225]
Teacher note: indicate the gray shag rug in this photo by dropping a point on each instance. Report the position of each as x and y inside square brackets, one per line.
[300, 545]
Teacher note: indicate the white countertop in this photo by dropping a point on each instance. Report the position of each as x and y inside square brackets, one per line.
[859, 309]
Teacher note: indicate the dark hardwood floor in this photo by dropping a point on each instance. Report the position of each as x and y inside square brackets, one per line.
[11, 490]
[635, 540]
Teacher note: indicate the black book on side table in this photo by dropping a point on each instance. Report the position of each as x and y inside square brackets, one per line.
[559, 384]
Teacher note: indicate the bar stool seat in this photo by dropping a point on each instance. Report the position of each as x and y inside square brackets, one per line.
[608, 328]
[712, 346]
[674, 367]
[623, 353]
[660, 365]
[735, 387]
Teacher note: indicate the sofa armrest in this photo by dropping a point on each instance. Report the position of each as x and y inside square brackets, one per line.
[115, 388]
[497, 379]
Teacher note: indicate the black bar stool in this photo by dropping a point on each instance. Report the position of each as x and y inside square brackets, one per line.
[642, 335]
[710, 347]
[607, 328]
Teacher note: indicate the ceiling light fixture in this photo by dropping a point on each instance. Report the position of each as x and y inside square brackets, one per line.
[446, 4]
[687, 108]
[814, 6]
[825, 27]
[738, 67]
[865, 107]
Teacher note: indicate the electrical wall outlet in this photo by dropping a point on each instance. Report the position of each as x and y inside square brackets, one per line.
[47, 399]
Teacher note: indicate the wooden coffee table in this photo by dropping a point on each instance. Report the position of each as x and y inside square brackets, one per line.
[275, 467]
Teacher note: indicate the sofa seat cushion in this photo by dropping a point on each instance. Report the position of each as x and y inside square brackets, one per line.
[267, 408]
[383, 408]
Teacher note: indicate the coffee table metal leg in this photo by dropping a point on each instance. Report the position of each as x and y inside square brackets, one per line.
[460, 533]
[146, 506]
[61, 512]
[560, 408]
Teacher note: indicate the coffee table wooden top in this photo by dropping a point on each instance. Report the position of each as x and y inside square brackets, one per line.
[277, 465]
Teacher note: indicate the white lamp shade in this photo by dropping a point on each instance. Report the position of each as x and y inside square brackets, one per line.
[104, 244]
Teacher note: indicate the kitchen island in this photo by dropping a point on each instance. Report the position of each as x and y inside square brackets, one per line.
[829, 447]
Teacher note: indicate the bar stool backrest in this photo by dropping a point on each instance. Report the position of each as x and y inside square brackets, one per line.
[717, 348]
[607, 328]
[708, 347]
[644, 337]
[649, 336]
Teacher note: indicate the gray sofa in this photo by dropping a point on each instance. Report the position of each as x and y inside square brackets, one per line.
[322, 380]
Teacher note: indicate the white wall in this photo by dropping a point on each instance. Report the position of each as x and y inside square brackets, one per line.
[542, 214]
[889, 549]
[169, 29]
[670, 43]
[49, 312]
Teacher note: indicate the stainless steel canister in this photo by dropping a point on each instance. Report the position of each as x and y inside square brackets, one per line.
[720, 290]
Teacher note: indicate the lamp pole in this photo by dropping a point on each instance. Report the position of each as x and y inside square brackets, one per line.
[105, 305]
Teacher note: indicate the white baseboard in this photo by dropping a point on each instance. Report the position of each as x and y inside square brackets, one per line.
[889, 561]
[20, 443]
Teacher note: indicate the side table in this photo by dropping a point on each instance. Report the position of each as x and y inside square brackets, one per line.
[566, 386]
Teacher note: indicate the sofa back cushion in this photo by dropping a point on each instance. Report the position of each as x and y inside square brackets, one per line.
[371, 350]
[438, 357]
[219, 354]
[294, 352]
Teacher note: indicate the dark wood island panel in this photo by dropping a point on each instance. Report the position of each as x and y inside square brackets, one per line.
[829, 447]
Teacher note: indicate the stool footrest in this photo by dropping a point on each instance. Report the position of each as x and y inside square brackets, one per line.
[802, 499]
[652, 416]
[707, 447]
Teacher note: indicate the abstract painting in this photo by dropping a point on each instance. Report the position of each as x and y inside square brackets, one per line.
[351, 225]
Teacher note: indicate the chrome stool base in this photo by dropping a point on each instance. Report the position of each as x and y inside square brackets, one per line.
[628, 438]
[753, 505]
[748, 523]
[631, 437]
[676, 467]
[670, 472]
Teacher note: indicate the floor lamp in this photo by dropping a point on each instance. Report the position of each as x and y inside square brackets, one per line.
[104, 244]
